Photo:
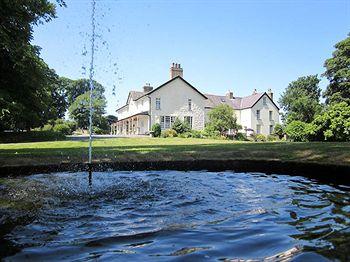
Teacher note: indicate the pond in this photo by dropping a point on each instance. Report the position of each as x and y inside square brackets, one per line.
[173, 215]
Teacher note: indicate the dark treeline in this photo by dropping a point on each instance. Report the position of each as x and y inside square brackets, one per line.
[32, 95]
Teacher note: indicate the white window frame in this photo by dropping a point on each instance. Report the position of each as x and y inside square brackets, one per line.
[189, 104]
[270, 115]
[258, 129]
[157, 103]
[166, 122]
[258, 114]
[189, 120]
[264, 100]
[271, 129]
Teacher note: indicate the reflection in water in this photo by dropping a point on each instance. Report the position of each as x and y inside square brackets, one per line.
[168, 214]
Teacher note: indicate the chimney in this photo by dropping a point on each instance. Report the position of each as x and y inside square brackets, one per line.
[175, 70]
[147, 88]
[255, 92]
[229, 94]
[270, 94]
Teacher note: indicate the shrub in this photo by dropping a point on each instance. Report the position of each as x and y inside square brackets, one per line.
[297, 131]
[47, 127]
[62, 128]
[169, 133]
[272, 138]
[241, 137]
[98, 131]
[156, 129]
[72, 126]
[210, 132]
[333, 124]
[180, 126]
[278, 130]
[31, 136]
[260, 138]
[192, 133]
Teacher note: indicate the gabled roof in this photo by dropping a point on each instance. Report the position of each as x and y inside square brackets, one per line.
[178, 77]
[136, 95]
[237, 103]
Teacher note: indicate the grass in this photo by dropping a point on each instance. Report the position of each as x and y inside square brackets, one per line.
[154, 149]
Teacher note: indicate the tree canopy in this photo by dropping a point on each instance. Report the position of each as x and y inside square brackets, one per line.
[26, 81]
[301, 99]
[222, 119]
[79, 110]
[338, 73]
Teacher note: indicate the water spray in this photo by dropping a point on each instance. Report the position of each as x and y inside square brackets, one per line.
[91, 82]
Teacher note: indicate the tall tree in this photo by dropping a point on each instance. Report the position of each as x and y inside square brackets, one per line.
[25, 79]
[79, 108]
[75, 88]
[222, 118]
[301, 99]
[338, 73]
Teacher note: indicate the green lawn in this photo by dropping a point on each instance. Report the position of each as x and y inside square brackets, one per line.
[143, 149]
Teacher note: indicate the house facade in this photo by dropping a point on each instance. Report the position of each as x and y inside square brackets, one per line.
[177, 98]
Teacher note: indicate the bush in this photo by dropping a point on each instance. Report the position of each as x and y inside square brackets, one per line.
[191, 134]
[297, 131]
[332, 125]
[31, 136]
[47, 127]
[272, 138]
[260, 138]
[62, 128]
[156, 129]
[210, 132]
[241, 137]
[168, 133]
[98, 131]
[278, 131]
[180, 127]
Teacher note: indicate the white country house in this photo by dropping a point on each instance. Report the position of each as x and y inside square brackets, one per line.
[177, 98]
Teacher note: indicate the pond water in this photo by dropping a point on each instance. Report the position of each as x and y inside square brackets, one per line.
[172, 215]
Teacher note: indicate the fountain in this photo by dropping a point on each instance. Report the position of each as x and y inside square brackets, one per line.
[164, 215]
[91, 83]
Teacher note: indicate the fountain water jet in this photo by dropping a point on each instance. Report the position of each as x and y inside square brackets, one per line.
[91, 75]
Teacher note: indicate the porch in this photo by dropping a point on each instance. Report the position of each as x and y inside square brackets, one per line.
[137, 124]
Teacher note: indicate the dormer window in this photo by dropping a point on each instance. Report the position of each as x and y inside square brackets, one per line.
[157, 103]
[189, 104]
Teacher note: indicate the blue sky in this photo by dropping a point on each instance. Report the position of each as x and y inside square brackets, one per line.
[222, 45]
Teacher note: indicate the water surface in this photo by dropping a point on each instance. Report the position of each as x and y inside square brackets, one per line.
[171, 215]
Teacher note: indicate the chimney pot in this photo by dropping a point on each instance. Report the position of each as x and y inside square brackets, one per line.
[147, 88]
[176, 70]
[229, 94]
[270, 94]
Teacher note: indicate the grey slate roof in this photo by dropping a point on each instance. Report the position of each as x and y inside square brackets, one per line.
[136, 94]
[235, 103]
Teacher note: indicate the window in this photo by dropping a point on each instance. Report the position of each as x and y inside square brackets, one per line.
[189, 120]
[271, 129]
[258, 114]
[264, 100]
[270, 115]
[258, 129]
[166, 122]
[189, 104]
[157, 103]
